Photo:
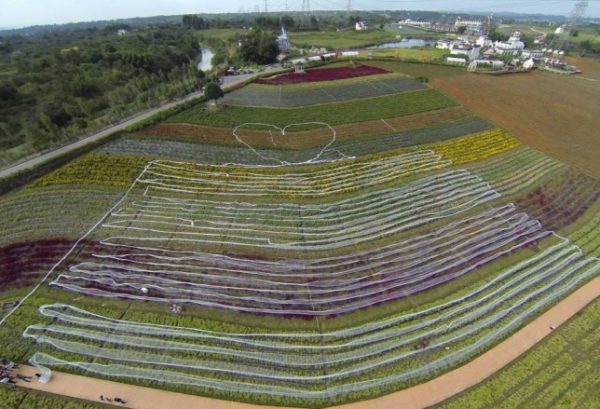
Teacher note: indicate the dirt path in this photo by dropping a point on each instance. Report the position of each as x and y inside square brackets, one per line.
[417, 397]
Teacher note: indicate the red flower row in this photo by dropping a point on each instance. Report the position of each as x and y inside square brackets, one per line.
[322, 74]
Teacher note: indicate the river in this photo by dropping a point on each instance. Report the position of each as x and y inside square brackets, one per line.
[407, 43]
[206, 63]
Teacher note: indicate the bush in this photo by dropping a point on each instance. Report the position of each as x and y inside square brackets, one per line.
[213, 91]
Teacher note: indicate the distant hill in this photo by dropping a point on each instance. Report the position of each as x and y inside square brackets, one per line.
[143, 21]
[133, 22]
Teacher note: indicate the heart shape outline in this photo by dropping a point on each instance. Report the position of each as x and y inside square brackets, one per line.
[283, 130]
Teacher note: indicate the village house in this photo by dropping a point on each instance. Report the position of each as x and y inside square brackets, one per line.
[470, 51]
[471, 25]
[415, 23]
[362, 26]
[511, 47]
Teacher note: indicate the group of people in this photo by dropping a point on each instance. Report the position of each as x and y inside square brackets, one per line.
[6, 372]
[107, 399]
[7, 375]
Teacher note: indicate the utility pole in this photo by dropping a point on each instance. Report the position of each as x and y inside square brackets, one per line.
[266, 6]
[349, 6]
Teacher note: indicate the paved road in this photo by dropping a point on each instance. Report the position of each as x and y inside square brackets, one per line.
[416, 397]
[229, 82]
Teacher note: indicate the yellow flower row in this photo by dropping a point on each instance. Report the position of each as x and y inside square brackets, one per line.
[97, 169]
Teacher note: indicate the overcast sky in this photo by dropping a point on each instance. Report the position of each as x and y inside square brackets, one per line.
[20, 13]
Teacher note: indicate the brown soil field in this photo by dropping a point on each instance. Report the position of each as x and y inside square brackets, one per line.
[590, 68]
[303, 139]
[556, 114]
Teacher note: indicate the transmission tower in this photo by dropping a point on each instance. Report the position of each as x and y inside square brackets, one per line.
[306, 6]
[266, 6]
[349, 6]
[578, 11]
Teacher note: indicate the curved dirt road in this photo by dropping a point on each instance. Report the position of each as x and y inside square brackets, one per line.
[417, 397]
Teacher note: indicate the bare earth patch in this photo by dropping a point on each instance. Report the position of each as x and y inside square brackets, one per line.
[557, 114]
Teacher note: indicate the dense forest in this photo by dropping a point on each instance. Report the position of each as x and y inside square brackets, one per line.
[55, 86]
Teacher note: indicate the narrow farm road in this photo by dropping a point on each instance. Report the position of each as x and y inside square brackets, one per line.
[229, 83]
[417, 397]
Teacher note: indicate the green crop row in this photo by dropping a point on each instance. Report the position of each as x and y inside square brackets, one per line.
[336, 114]
[546, 371]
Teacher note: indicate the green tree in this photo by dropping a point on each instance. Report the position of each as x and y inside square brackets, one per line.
[8, 94]
[213, 91]
[195, 22]
[260, 47]
[461, 29]
[497, 36]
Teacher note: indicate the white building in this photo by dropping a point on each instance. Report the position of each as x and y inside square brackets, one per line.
[493, 64]
[483, 41]
[122, 32]
[472, 52]
[532, 54]
[516, 36]
[472, 25]
[443, 44]
[456, 61]
[283, 42]
[361, 26]
[559, 30]
[529, 64]
[514, 45]
[418, 23]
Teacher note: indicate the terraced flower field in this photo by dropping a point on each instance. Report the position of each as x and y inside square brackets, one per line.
[390, 106]
[307, 273]
[287, 96]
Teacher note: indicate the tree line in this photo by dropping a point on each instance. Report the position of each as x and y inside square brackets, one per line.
[56, 86]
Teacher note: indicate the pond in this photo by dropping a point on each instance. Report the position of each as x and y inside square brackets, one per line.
[206, 63]
[407, 43]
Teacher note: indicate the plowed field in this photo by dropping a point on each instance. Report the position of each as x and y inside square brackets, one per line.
[559, 115]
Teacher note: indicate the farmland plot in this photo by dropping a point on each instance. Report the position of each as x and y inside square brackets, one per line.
[321, 93]
[345, 112]
[313, 368]
[264, 147]
[172, 240]
[322, 74]
[308, 272]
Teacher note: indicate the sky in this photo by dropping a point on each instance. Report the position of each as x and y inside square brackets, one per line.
[21, 13]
